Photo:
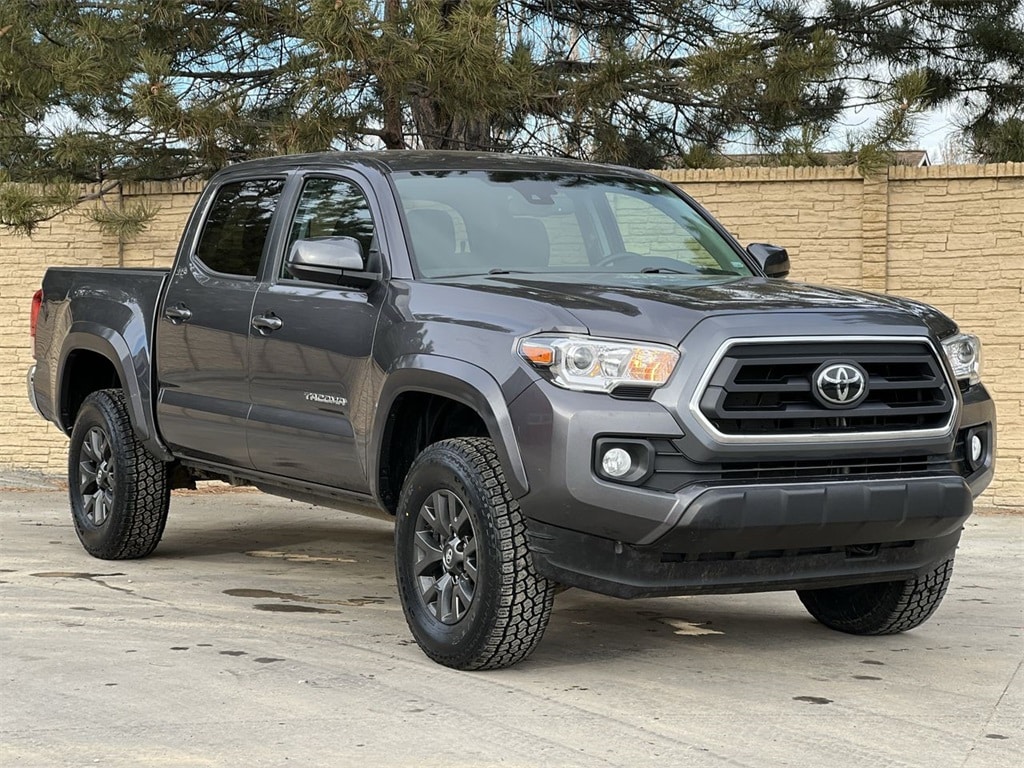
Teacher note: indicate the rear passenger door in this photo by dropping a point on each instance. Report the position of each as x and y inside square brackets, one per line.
[312, 375]
[202, 333]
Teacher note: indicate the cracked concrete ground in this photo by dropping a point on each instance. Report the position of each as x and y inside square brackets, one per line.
[267, 633]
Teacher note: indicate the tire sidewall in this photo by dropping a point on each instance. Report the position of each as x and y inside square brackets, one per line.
[442, 468]
[98, 540]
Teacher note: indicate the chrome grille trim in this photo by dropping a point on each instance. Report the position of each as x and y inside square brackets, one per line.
[834, 438]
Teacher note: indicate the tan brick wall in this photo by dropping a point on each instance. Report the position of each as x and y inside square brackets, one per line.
[952, 236]
[156, 246]
[958, 243]
[26, 442]
[817, 213]
[949, 235]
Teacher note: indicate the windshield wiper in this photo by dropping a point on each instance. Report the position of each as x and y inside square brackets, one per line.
[658, 270]
[501, 271]
[697, 271]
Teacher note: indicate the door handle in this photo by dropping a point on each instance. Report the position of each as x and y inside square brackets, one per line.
[178, 314]
[267, 323]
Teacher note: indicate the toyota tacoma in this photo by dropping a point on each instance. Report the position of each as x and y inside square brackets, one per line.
[549, 374]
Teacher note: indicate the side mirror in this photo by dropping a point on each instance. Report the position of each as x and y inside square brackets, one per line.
[773, 259]
[333, 260]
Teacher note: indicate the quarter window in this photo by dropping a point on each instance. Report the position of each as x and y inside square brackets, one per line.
[236, 228]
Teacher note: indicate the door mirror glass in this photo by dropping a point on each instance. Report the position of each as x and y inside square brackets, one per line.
[325, 259]
[773, 259]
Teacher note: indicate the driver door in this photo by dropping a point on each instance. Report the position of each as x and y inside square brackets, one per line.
[310, 349]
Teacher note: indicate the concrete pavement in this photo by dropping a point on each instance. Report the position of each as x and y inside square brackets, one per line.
[266, 633]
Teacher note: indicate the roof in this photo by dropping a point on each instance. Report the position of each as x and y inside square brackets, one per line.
[400, 160]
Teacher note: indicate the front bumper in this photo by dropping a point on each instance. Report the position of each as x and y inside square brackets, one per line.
[770, 537]
[706, 533]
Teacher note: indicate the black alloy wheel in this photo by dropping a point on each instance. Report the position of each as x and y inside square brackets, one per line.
[446, 557]
[96, 483]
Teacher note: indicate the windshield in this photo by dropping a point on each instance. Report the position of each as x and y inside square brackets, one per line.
[497, 222]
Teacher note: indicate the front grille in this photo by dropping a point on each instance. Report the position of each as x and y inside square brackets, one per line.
[824, 468]
[853, 553]
[632, 392]
[765, 389]
[673, 471]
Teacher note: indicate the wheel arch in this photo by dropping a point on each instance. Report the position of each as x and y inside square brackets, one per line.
[88, 346]
[450, 380]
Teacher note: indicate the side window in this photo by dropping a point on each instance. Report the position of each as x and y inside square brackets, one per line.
[331, 208]
[237, 225]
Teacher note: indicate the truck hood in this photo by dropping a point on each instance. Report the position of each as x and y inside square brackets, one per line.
[666, 307]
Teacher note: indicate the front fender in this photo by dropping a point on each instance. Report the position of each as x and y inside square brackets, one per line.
[461, 381]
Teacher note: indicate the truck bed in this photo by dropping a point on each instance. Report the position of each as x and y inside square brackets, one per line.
[110, 311]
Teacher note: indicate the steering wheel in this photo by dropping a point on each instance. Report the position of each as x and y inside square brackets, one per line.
[611, 258]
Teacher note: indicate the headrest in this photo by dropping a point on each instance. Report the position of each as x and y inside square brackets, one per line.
[433, 237]
[533, 246]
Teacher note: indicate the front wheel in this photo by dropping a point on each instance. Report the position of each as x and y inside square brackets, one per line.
[119, 492]
[469, 591]
[880, 609]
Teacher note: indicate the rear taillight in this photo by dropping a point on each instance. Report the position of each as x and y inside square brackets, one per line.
[37, 303]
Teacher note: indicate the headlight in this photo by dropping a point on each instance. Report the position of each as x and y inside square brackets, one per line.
[964, 353]
[599, 365]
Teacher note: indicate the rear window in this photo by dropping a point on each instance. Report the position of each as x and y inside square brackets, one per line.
[236, 228]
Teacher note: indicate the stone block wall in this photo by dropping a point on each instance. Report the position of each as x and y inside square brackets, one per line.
[952, 236]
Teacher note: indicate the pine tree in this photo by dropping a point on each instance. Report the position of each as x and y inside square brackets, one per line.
[109, 91]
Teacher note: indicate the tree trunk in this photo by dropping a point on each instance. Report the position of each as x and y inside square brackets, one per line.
[438, 130]
[393, 135]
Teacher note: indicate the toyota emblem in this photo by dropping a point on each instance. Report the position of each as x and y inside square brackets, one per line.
[841, 384]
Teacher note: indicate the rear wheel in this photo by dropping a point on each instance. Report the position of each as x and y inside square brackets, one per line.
[469, 591]
[119, 492]
[880, 609]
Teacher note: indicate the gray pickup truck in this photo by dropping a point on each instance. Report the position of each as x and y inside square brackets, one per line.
[549, 373]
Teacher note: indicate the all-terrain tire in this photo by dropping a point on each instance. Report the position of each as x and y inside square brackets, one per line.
[505, 617]
[880, 609]
[119, 491]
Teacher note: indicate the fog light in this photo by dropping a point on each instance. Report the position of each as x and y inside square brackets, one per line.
[977, 449]
[616, 462]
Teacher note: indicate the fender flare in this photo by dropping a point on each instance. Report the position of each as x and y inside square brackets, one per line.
[460, 381]
[93, 337]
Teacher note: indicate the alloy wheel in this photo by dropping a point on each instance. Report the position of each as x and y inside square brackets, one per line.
[446, 557]
[96, 477]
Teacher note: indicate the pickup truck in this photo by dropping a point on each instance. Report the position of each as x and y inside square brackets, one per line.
[548, 373]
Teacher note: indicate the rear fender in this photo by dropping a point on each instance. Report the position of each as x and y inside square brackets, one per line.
[133, 370]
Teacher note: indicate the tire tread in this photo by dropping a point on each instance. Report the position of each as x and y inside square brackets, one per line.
[524, 599]
[143, 483]
[880, 609]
